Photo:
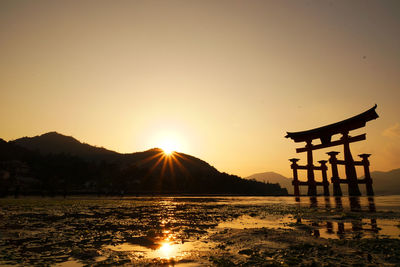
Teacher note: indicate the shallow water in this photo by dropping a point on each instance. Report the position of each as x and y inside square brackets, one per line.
[176, 230]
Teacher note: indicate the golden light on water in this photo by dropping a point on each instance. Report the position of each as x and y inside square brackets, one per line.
[166, 250]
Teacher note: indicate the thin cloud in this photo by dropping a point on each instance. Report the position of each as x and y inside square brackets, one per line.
[393, 131]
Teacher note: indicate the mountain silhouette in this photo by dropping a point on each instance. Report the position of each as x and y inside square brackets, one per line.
[386, 183]
[273, 177]
[55, 143]
[53, 163]
[10, 151]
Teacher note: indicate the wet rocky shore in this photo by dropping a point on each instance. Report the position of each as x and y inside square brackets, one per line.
[200, 231]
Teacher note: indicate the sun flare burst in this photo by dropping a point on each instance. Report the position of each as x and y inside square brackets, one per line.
[167, 150]
[170, 141]
[169, 145]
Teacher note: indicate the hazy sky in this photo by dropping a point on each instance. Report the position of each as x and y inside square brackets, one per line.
[224, 79]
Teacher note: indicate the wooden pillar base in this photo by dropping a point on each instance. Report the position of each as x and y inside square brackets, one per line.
[312, 189]
[337, 190]
[325, 182]
[353, 189]
[370, 190]
[296, 188]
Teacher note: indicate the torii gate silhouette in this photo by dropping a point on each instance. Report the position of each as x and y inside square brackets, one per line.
[325, 134]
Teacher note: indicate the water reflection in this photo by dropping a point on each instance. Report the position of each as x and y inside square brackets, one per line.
[167, 250]
[164, 242]
[347, 218]
[327, 203]
[248, 222]
[313, 202]
[355, 204]
[338, 202]
[371, 204]
[355, 227]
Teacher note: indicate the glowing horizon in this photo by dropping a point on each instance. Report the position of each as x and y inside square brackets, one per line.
[222, 80]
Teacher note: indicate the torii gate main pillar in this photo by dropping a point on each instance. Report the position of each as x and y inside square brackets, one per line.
[312, 187]
[351, 174]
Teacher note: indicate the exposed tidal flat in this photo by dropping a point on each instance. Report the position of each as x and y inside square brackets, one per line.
[201, 231]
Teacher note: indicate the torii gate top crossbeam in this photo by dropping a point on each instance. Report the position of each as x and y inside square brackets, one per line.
[325, 133]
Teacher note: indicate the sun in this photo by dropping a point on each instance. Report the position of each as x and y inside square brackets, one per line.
[169, 146]
[169, 141]
[167, 150]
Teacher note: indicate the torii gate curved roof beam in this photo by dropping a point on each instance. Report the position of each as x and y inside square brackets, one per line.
[325, 132]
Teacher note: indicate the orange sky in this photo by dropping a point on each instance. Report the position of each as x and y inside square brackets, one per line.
[226, 79]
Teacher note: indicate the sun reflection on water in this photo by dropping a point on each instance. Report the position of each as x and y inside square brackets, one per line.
[162, 243]
[166, 251]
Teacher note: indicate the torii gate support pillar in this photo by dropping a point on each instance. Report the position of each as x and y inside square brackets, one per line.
[351, 175]
[295, 181]
[368, 179]
[312, 186]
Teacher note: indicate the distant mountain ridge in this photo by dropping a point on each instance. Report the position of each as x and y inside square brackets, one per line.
[273, 177]
[54, 163]
[386, 183]
[55, 143]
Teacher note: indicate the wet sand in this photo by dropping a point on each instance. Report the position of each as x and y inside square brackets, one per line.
[201, 231]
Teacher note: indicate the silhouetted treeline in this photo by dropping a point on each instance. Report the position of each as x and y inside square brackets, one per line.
[59, 170]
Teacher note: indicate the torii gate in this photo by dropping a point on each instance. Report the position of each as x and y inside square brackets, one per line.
[325, 134]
